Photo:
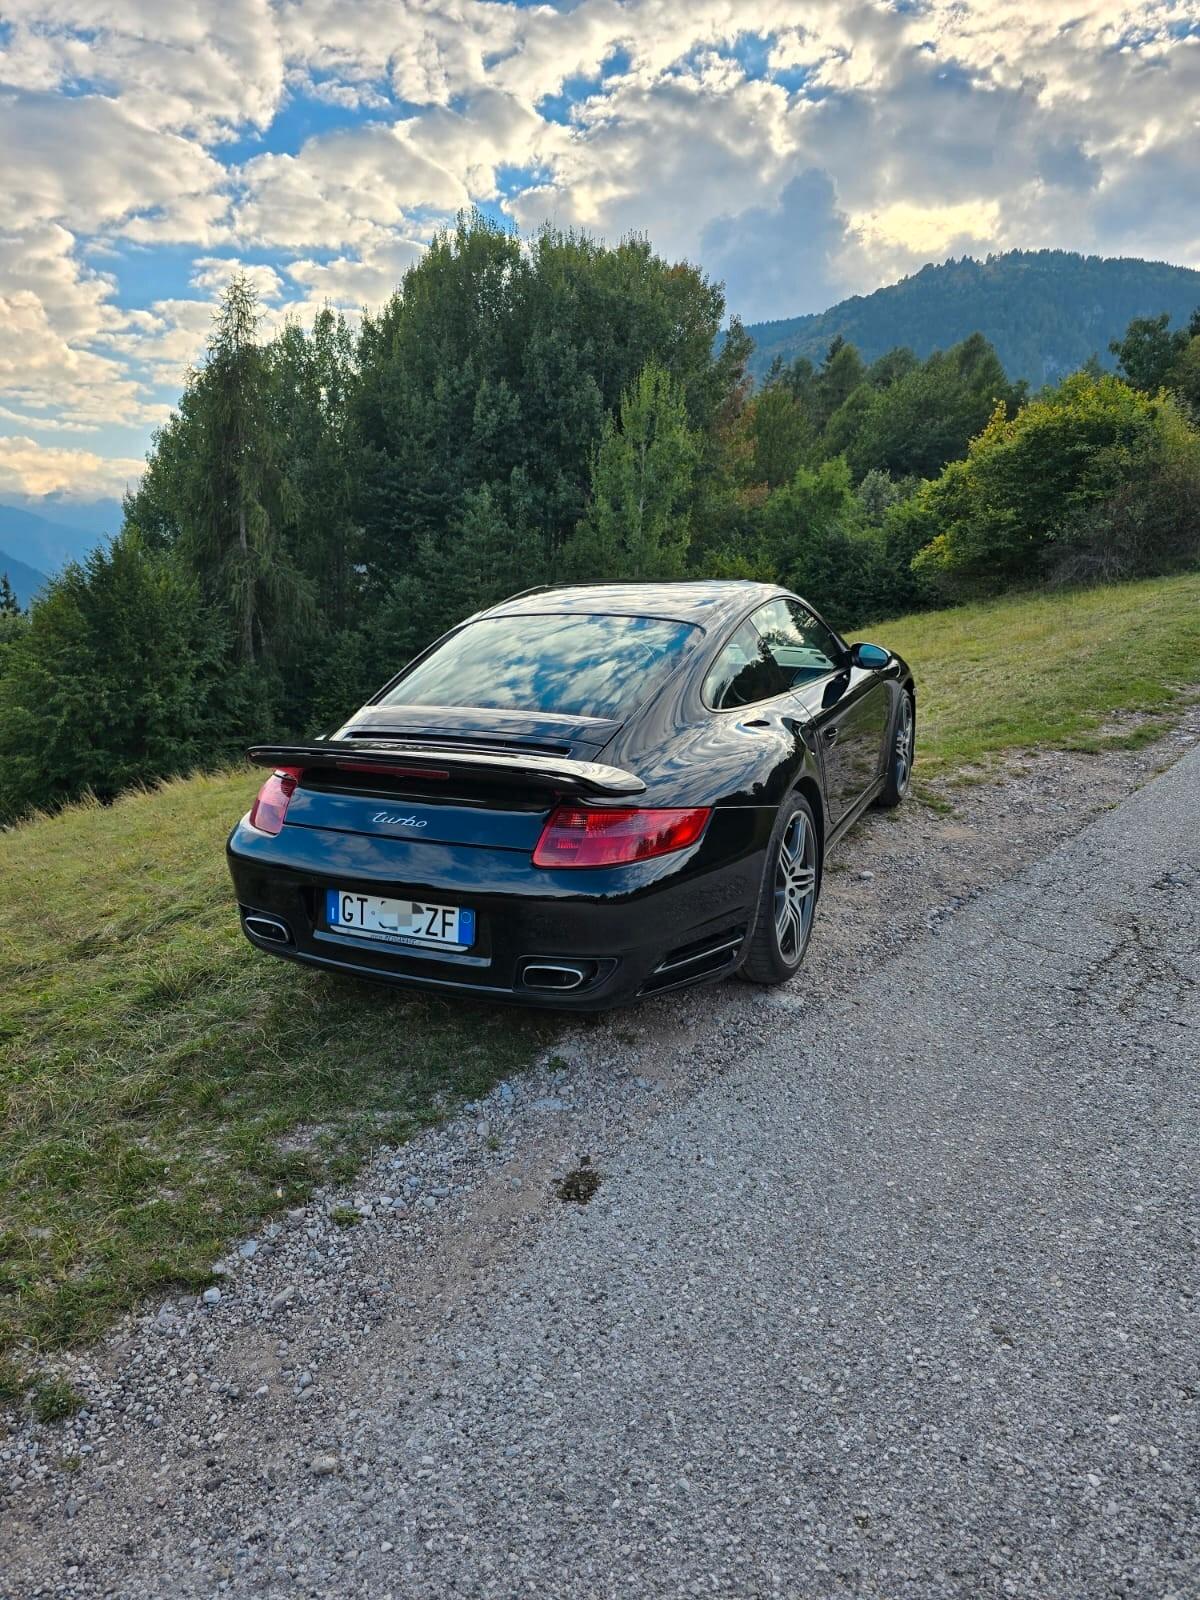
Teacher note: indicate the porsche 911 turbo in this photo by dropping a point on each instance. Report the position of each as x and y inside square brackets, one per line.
[581, 797]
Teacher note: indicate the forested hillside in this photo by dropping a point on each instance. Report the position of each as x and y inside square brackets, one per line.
[323, 503]
[1045, 312]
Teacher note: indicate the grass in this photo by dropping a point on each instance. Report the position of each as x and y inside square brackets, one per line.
[162, 1087]
[53, 1400]
[1048, 670]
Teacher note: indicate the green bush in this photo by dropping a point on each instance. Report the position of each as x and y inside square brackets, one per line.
[1091, 480]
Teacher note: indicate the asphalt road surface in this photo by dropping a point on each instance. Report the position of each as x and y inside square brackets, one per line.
[904, 1306]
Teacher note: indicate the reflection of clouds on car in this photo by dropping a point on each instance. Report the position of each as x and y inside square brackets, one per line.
[782, 646]
[799, 643]
[593, 666]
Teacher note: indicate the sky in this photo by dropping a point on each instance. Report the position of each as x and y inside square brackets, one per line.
[800, 150]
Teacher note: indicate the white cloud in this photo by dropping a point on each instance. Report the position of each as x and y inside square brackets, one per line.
[214, 272]
[85, 163]
[54, 313]
[199, 68]
[668, 158]
[342, 188]
[931, 230]
[354, 186]
[161, 342]
[27, 467]
[48, 424]
[784, 254]
[351, 284]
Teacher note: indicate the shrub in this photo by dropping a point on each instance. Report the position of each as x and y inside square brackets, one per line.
[1091, 480]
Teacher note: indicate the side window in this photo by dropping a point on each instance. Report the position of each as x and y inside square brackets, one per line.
[744, 672]
[801, 647]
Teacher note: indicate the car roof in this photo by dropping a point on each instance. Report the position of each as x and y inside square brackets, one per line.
[708, 600]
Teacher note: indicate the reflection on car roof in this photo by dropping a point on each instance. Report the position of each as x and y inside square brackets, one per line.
[685, 601]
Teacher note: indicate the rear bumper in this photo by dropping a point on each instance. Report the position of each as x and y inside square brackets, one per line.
[631, 930]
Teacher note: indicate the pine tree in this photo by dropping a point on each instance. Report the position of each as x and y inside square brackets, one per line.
[10, 606]
[637, 525]
[236, 495]
[115, 679]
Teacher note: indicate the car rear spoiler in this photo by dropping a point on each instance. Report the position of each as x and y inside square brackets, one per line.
[390, 756]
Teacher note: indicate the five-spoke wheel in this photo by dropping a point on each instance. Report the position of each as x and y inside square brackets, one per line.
[900, 753]
[788, 899]
[795, 887]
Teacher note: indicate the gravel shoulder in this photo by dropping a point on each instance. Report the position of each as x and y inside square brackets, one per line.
[884, 1269]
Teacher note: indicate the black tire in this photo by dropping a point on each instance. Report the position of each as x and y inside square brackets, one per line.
[780, 936]
[902, 741]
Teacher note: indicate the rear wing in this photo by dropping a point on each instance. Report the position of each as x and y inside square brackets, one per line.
[394, 758]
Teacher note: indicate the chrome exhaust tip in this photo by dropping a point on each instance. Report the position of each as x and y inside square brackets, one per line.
[268, 928]
[551, 975]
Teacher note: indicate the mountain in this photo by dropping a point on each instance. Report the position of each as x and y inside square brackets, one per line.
[1045, 311]
[25, 580]
[45, 538]
[99, 518]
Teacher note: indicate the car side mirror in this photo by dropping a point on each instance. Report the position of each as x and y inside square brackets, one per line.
[872, 657]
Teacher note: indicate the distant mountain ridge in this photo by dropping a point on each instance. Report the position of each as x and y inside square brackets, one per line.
[26, 580]
[46, 538]
[1045, 311]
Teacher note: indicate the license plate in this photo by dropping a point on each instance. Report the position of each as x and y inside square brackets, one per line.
[399, 921]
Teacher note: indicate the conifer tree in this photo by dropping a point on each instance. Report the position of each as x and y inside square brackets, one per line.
[237, 496]
[637, 525]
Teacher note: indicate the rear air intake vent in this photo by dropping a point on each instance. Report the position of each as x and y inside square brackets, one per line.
[700, 959]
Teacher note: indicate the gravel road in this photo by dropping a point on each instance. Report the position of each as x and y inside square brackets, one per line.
[888, 1288]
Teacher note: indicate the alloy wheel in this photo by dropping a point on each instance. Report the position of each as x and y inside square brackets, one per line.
[795, 887]
[904, 745]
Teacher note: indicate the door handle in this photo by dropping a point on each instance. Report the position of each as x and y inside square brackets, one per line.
[830, 736]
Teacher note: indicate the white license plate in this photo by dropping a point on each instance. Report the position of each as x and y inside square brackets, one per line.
[399, 921]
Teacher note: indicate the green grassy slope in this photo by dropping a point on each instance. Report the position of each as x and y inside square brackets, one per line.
[152, 1066]
[1047, 669]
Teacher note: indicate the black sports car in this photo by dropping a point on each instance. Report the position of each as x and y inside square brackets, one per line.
[581, 796]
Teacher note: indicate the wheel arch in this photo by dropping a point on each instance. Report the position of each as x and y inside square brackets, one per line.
[811, 790]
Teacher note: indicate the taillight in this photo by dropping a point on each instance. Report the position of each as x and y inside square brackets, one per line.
[268, 811]
[578, 837]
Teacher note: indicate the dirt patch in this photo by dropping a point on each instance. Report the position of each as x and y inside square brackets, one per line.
[579, 1185]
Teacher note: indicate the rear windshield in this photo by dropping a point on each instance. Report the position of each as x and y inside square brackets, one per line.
[578, 665]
